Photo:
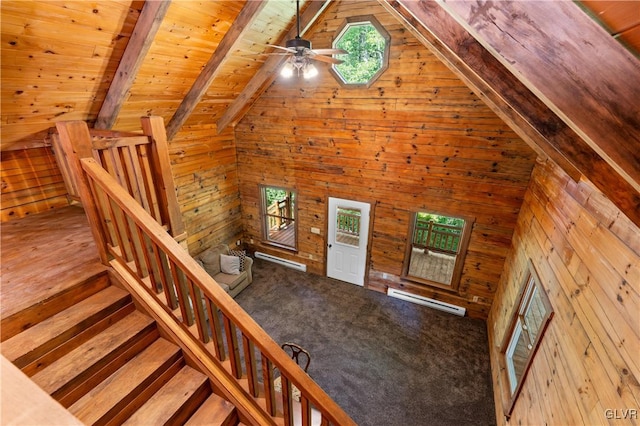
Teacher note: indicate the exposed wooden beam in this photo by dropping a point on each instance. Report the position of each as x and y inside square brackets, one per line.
[498, 88]
[512, 101]
[210, 71]
[151, 17]
[267, 73]
[575, 67]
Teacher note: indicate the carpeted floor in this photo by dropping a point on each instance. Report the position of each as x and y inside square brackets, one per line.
[386, 362]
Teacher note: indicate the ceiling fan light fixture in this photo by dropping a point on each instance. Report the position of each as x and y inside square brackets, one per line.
[309, 71]
[287, 70]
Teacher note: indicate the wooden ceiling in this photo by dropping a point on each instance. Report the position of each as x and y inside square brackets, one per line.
[201, 63]
[620, 18]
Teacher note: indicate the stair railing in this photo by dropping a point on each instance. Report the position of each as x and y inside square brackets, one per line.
[231, 348]
[138, 161]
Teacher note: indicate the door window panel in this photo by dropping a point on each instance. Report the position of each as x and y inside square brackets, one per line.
[348, 226]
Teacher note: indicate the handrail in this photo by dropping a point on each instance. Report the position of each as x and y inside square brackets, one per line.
[184, 294]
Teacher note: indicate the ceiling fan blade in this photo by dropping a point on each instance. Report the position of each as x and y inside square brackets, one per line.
[330, 52]
[288, 49]
[327, 59]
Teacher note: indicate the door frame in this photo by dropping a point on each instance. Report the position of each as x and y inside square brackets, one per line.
[372, 206]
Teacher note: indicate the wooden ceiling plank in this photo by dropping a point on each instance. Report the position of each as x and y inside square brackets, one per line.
[512, 101]
[571, 64]
[267, 73]
[212, 68]
[147, 26]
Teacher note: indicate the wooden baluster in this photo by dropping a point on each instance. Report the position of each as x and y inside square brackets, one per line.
[199, 311]
[250, 365]
[146, 256]
[183, 296]
[132, 174]
[147, 177]
[164, 274]
[269, 391]
[137, 247]
[233, 347]
[116, 214]
[287, 408]
[305, 411]
[216, 329]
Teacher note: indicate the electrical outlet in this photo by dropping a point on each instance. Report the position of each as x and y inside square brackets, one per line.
[475, 298]
[238, 242]
[384, 275]
[315, 230]
[251, 241]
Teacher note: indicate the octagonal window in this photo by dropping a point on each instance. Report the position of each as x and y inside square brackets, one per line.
[368, 45]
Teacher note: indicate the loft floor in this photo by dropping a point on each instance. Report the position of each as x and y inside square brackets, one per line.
[43, 254]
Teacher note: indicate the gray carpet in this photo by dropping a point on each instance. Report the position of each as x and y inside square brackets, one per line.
[385, 361]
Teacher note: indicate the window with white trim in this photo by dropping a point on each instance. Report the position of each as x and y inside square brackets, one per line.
[526, 328]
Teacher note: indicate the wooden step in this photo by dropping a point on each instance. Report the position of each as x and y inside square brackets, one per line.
[215, 411]
[174, 402]
[70, 377]
[18, 319]
[127, 389]
[36, 341]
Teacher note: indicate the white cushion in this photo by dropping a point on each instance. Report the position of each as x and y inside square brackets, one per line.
[230, 264]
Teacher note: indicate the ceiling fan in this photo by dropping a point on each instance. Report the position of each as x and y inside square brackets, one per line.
[301, 54]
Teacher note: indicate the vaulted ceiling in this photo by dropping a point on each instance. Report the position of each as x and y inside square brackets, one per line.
[560, 80]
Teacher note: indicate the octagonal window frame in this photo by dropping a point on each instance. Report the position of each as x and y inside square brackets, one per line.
[344, 27]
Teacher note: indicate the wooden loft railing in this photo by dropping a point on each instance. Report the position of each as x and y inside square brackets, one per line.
[235, 353]
[138, 161]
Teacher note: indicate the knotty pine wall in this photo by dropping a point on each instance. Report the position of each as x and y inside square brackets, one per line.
[417, 139]
[31, 183]
[206, 177]
[587, 254]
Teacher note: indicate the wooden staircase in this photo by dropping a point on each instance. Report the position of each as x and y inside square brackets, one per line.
[107, 362]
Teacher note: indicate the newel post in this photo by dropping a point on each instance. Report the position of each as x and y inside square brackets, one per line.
[153, 127]
[75, 141]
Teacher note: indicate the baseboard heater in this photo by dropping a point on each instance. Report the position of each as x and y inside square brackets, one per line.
[435, 304]
[280, 261]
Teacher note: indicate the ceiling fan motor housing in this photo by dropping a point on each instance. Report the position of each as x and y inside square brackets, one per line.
[299, 44]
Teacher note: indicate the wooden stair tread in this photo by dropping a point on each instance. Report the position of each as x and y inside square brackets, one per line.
[92, 355]
[165, 406]
[119, 389]
[35, 310]
[215, 411]
[42, 337]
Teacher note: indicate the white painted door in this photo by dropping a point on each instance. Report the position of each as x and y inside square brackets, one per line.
[347, 236]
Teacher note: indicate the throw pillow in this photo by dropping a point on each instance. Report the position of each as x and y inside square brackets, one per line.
[242, 255]
[230, 264]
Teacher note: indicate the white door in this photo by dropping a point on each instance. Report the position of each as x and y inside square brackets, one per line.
[347, 235]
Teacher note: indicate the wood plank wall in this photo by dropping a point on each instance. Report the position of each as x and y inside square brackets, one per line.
[206, 176]
[587, 254]
[417, 139]
[31, 183]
